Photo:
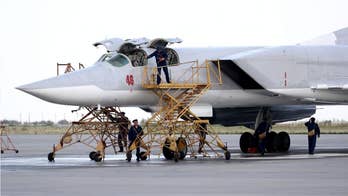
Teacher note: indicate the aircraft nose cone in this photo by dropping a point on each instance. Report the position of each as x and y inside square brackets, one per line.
[29, 88]
[40, 88]
[75, 88]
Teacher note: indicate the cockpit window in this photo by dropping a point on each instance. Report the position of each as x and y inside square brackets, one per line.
[118, 61]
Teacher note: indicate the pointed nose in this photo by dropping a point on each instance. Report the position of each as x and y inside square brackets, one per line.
[76, 88]
[52, 89]
[34, 87]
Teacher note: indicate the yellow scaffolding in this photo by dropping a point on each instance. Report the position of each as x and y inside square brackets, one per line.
[98, 129]
[5, 141]
[174, 127]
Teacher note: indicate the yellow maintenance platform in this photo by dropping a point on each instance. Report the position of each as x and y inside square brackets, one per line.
[174, 127]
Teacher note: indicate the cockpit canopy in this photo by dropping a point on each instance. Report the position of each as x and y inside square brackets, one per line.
[115, 59]
[133, 49]
[118, 60]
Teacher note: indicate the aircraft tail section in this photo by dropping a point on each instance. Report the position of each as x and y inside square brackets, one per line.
[339, 37]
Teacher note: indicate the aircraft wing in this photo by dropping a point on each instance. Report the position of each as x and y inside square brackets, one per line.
[339, 37]
[316, 74]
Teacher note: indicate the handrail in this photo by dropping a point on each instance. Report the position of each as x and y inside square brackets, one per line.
[183, 78]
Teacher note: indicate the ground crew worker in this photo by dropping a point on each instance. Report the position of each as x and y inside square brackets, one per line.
[313, 132]
[123, 131]
[260, 134]
[202, 132]
[161, 59]
[134, 134]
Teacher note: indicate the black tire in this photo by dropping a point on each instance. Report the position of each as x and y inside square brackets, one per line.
[227, 155]
[283, 142]
[143, 156]
[176, 156]
[182, 147]
[129, 156]
[97, 157]
[91, 155]
[271, 145]
[167, 153]
[2, 152]
[50, 156]
[17, 151]
[246, 141]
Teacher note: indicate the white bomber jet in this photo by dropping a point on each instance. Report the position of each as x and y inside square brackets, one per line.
[281, 83]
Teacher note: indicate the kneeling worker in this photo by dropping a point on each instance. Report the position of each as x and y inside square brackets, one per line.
[134, 134]
[313, 132]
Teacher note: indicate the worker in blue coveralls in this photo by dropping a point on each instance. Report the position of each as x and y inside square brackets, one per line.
[161, 59]
[134, 134]
[313, 132]
[260, 134]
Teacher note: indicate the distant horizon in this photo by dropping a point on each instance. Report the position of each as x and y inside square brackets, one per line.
[69, 116]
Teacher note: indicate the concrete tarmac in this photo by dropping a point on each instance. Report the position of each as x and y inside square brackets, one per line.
[73, 173]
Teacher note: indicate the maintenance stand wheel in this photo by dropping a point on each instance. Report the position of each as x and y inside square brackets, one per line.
[129, 156]
[50, 156]
[176, 156]
[91, 155]
[167, 153]
[97, 157]
[246, 141]
[143, 156]
[182, 147]
[227, 155]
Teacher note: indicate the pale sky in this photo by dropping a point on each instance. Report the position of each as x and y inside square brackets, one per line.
[36, 34]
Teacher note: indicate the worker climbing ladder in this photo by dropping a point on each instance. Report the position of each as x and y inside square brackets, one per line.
[174, 127]
[5, 141]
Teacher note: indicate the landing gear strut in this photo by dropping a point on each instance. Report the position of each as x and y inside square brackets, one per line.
[275, 142]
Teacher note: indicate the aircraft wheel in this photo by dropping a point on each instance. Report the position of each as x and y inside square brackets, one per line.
[283, 142]
[2, 152]
[227, 155]
[50, 156]
[271, 144]
[143, 156]
[129, 156]
[92, 154]
[97, 157]
[245, 141]
[17, 151]
[182, 147]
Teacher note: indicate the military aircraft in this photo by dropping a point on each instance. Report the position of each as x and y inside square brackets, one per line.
[282, 83]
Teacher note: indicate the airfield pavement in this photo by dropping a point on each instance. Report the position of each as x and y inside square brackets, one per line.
[73, 173]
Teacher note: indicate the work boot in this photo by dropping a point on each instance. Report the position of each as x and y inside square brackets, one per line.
[121, 149]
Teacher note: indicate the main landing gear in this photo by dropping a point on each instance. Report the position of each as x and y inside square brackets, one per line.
[274, 142]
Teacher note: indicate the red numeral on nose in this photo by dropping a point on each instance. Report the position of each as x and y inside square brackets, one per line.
[130, 80]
